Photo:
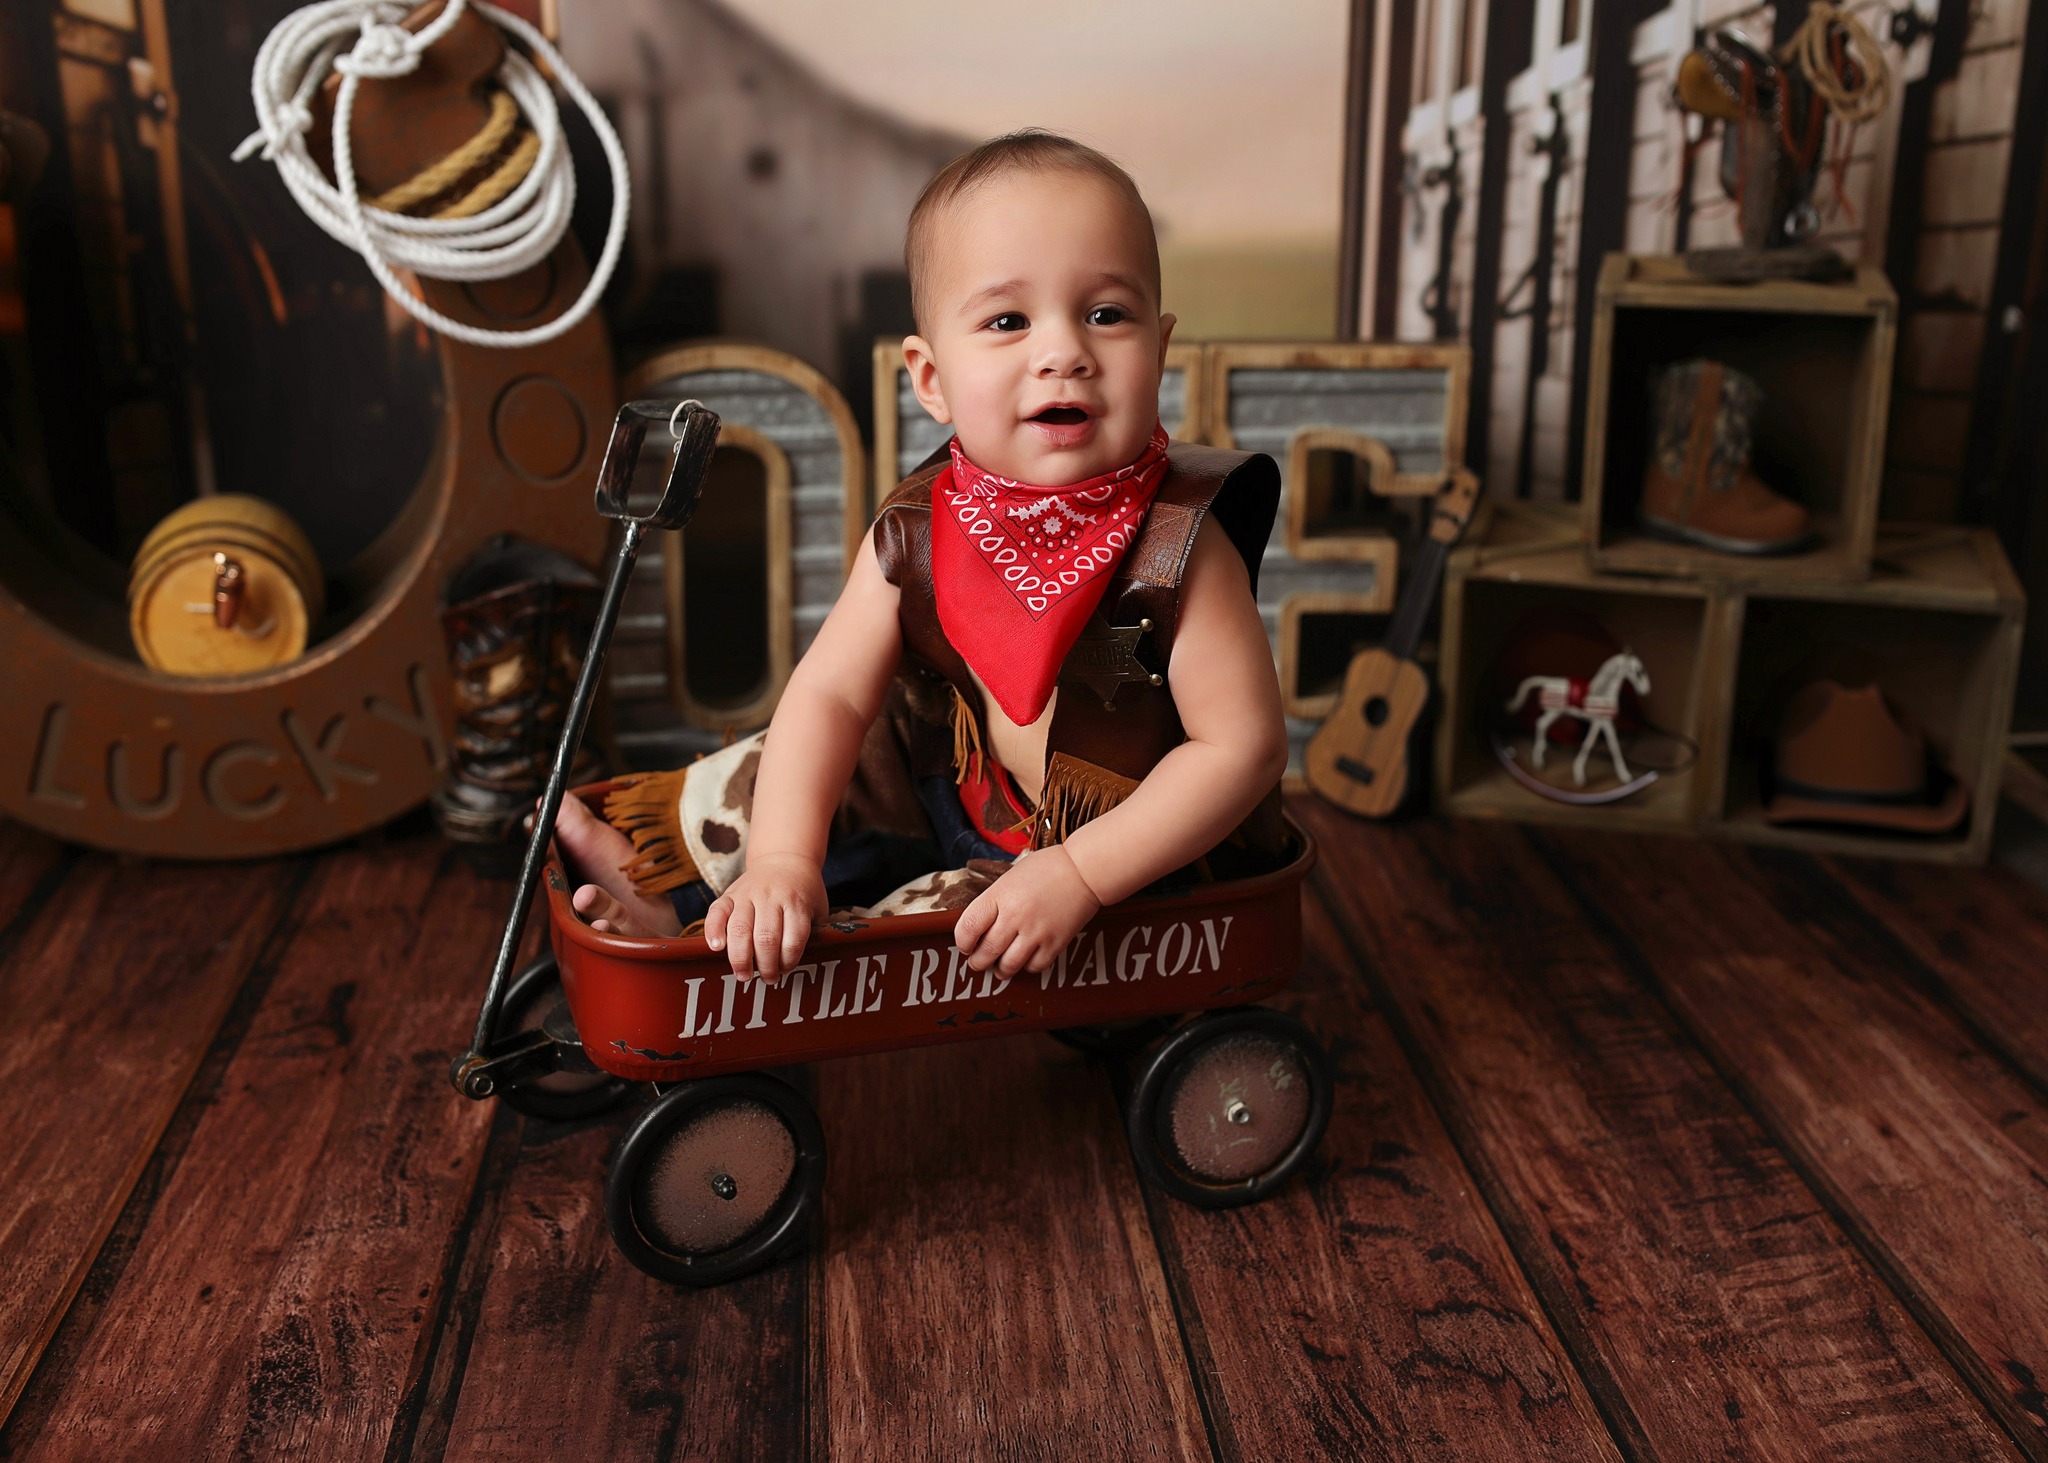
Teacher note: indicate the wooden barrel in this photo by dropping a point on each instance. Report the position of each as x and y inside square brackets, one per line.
[225, 585]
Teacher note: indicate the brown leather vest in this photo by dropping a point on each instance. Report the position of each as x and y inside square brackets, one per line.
[1115, 709]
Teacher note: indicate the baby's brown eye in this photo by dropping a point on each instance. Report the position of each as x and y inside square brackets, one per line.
[1108, 315]
[1009, 320]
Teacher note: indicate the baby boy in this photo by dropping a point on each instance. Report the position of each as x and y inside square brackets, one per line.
[1035, 280]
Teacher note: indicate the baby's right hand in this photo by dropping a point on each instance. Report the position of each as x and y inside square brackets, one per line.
[766, 916]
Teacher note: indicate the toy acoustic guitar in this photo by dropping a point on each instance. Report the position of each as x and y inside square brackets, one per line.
[1358, 759]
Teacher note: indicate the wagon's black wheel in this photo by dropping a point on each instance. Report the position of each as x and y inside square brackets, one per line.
[1115, 1039]
[533, 996]
[716, 1179]
[1229, 1106]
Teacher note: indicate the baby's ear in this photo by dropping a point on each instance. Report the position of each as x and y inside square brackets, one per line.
[924, 378]
[1166, 324]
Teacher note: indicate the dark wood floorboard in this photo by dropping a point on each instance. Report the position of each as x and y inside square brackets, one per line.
[32, 865]
[1931, 1149]
[280, 1294]
[1716, 1309]
[1983, 933]
[990, 1284]
[579, 1355]
[1372, 1309]
[113, 990]
[1643, 1150]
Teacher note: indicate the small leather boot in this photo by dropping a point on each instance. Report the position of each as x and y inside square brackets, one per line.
[1700, 487]
[517, 622]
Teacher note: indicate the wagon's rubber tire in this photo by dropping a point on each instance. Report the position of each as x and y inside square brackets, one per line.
[1117, 1038]
[1229, 1106]
[559, 1096]
[717, 1178]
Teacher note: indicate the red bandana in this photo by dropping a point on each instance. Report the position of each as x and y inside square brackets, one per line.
[1017, 570]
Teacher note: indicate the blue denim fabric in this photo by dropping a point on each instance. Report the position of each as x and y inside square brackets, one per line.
[958, 839]
[863, 867]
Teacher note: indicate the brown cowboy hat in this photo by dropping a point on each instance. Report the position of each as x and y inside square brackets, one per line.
[1844, 756]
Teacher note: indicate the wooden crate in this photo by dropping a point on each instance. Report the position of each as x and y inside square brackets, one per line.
[1822, 354]
[1524, 557]
[1937, 625]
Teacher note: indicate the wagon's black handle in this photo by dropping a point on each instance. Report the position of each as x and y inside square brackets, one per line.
[695, 428]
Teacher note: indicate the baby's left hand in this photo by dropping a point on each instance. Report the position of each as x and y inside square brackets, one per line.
[1024, 919]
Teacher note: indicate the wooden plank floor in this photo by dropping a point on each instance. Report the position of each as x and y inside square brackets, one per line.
[1643, 1150]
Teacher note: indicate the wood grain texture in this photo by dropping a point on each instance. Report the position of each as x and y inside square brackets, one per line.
[1712, 1304]
[32, 864]
[1982, 935]
[1371, 1308]
[112, 992]
[1915, 1133]
[778, 571]
[276, 1301]
[275, 763]
[650, 375]
[579, 1355]
[1298, 612]
[991, 1288]
[1517, 562]
[1855, 413]
[1455, 361]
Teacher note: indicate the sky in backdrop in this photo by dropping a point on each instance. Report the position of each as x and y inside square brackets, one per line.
[1229, 114]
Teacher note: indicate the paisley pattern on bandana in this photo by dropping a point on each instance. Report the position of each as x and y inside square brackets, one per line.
[1017, 569]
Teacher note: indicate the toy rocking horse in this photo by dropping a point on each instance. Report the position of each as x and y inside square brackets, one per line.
[1594, 702]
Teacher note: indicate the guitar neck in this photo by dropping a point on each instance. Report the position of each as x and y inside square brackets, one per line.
[1405, 634]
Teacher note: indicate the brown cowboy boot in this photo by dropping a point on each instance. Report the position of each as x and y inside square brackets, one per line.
[1700, 488]
[517, 623]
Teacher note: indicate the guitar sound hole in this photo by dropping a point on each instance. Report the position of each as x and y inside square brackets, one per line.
[1377, 711]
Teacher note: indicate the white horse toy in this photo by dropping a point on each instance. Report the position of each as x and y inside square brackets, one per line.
[1594, 702]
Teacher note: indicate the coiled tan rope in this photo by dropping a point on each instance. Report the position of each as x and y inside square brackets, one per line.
[450, 170]
[1811, 47]
[503, 180]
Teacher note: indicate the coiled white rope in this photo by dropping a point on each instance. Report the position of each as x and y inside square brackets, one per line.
[515, 233]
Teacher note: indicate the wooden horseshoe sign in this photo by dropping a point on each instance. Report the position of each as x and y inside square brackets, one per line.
[98, 749]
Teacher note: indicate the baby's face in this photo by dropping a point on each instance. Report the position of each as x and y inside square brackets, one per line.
[1044, 343]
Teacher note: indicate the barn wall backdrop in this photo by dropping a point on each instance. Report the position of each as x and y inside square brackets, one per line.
[1498, 149]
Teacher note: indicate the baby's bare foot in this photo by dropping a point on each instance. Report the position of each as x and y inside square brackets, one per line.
[598, 852]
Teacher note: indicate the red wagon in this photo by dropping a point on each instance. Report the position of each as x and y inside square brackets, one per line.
[720, 1173]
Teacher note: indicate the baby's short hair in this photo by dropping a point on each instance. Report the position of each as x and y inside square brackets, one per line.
[1031, 150]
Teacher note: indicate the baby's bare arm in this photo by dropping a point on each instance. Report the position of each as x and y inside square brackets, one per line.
[1228, 697]
[813, 742]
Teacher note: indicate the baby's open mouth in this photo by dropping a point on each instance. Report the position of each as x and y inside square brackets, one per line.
[1062, 416]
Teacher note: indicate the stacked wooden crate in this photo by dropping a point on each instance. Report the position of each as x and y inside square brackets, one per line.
[1933, 614]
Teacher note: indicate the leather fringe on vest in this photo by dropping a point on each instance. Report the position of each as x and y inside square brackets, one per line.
[969, 759]
[1075, 792]
[648, 810]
